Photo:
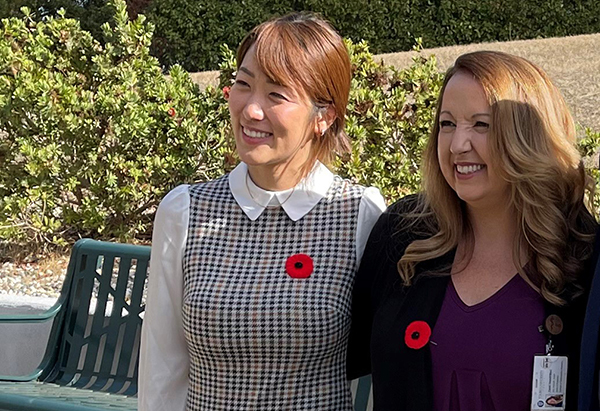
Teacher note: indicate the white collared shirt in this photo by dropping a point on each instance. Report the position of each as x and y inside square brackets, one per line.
[299, 200]
[296, 201]
[164, 358]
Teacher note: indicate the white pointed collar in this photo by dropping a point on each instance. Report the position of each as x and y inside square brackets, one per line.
[307, 193]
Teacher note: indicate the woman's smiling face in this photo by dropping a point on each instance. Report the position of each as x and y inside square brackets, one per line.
[273, 125]
[463, 146]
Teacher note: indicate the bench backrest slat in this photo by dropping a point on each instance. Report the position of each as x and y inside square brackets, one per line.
[100, 341]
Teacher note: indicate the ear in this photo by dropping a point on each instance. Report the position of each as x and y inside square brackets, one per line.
[324, 120]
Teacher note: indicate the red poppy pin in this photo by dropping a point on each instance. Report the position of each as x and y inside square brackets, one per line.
[299, 266]
[226, 90]
[171, 112]
[417, 335]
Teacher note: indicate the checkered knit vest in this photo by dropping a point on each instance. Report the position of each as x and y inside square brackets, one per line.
[259, 339]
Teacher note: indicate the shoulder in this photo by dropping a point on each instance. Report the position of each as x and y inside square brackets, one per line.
[589, 255]
[373, 200]
[405, 215]
[394, 222]
[175, 200]
[345, 188]
[583, 245]
[405, 205]
[211, 189]
[370, 196]
[402, 223]
[171, 219]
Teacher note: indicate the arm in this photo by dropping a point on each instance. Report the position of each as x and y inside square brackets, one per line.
[372, 204]
[358, 357]
[164, 359]
[386, 243]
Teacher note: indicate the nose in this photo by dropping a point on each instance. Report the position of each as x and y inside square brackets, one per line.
[253, 110]
[461, 141]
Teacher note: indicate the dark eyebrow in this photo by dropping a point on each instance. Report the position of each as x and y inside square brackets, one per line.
[248, 72]
[251, 74]
[473, 116]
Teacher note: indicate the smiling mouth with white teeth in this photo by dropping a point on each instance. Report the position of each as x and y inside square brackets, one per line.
[468, 169]
[256, 134]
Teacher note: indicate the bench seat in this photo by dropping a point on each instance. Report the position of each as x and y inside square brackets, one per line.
[35, 396]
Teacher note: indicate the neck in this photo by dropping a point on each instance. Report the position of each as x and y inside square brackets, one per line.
[494, 233]
[277, 178]
[493, 227]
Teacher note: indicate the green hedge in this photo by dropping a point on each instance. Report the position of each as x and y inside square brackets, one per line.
[92, 136]
[91, 14]
[190, 33]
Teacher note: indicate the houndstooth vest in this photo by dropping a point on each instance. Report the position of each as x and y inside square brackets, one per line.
[258, 338]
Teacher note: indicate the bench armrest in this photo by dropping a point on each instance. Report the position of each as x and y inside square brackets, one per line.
[23, 378]
[49, 314]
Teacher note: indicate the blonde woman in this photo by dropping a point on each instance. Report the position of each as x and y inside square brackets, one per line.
[461, 286]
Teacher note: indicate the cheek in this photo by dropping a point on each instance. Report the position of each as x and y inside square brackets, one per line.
[235, 104]
[287, 116]
[483, 150]
[444, 160]
[290, 120]
[443, 151]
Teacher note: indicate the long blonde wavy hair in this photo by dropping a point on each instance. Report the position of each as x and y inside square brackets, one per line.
[532, 139]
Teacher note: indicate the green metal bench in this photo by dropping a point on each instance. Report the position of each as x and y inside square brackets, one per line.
[91, 359]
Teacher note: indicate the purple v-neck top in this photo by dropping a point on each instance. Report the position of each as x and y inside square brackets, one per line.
[483, 354]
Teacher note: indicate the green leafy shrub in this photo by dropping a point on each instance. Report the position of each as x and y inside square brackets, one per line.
[588, 147]
[92, 136]
[95, 135]
[388, 121]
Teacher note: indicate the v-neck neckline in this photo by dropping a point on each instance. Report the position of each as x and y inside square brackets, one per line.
[489, 300]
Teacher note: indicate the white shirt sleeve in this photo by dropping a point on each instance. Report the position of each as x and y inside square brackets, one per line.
[164, 359]
[372, 205]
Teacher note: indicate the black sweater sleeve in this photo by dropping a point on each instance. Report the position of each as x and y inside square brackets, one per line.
[358, 357]
[381, 251]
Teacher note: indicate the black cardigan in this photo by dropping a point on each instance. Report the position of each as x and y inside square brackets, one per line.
[382, 308]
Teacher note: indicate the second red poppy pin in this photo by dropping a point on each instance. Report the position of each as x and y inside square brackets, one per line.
[417, 335]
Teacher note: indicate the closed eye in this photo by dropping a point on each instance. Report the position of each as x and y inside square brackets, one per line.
[278, 96]
[446, 124]
[241, 83]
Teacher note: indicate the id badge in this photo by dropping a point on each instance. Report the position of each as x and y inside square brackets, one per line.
[549, 386]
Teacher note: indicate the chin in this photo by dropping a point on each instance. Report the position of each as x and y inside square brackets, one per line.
[471, 198]
[251, 160]
[253, 155]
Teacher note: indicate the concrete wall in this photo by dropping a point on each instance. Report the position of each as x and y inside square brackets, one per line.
[22, 346]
